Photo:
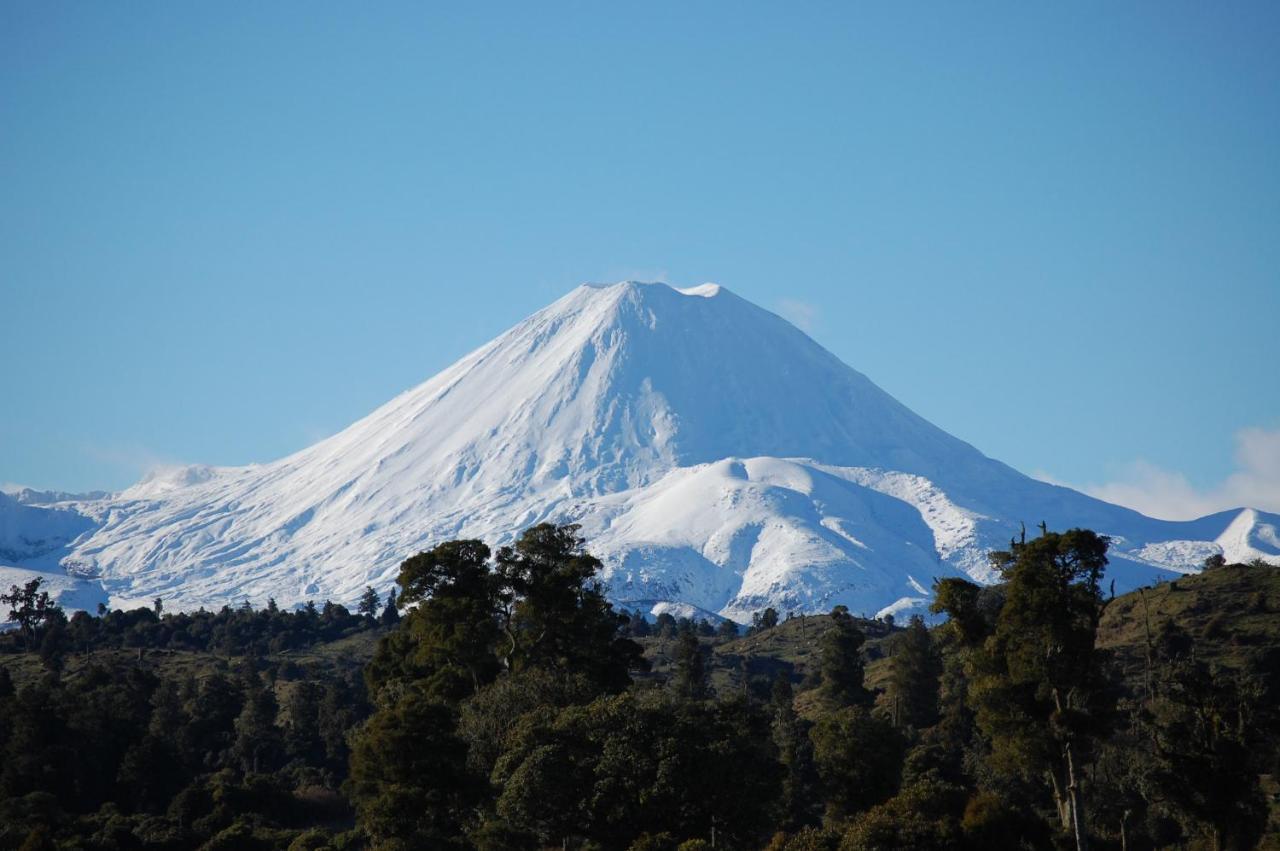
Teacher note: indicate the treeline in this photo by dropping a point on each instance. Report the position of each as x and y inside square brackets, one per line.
[120, 757]
[126, 753]
[512, 708]
[44, 628]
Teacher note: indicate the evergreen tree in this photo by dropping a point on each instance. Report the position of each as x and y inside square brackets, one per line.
[212, 707]
[859, 758]
[637, 625]
[149, 773]
[257, 739]
[767, 619]
[448, 641]
[1215, 561]
[168, 719]
[56, 641]
[1199, 724]
[341, 707]
[691, 667]
[605, 774]
[302, 738]
[368, 605]
[556, 615]
[840, 661]
[800, 794]
[409, 778]
[390, 612]
[1036, 679]
[915, 670]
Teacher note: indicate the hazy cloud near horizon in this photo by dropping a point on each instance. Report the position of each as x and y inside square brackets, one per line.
[1169, 495]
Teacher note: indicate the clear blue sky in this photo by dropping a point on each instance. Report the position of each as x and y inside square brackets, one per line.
[229, 229]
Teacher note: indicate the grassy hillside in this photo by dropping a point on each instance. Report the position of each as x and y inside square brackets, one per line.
[345, 656]
[1230, 613]
[750, 664]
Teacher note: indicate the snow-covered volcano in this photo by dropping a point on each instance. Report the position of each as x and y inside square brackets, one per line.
[714, 455]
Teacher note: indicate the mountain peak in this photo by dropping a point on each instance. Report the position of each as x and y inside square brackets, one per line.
[706, 290]
[714, 454]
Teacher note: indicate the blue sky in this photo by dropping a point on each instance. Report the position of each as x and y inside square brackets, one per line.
[229, 229]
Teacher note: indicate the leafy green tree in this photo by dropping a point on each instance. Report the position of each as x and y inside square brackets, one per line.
[168, 718]
[637, 626]
[212, 707]
[391, 611]
[302, 739]
[640, 763]
[915, 671]
[810, 838]
[691, 667]
[56, 641]
[490, 717]
[991, 822]
[555, 614]
[40, 754]
[30, 608]
[1037, 684]
[447, 642]
[368, 605]
[859, 758]
[258, 741]
[967, 620]
[1205, 771]
[840, 661]
[800, 794]
[919, 818]
[341, 708]
[766, 619]
[1215, 561]
[149, 773]
[1120, 785]
[409, 778]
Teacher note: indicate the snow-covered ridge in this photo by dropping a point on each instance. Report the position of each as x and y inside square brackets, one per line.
[716, 456]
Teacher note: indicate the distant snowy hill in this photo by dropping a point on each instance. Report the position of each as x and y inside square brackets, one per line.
[715, 456]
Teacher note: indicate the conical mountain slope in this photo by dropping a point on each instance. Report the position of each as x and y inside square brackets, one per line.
[715, 455]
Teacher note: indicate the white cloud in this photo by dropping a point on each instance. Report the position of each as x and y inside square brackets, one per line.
[131, 459]
[799, 313]
[1168, 494]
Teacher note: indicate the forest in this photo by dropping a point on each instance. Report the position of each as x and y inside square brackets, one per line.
[497, 700]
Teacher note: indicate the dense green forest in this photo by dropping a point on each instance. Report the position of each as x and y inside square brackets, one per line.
[500, 702]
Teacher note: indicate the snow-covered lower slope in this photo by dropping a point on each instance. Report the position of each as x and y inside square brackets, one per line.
[38, 535]
[716, 456]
